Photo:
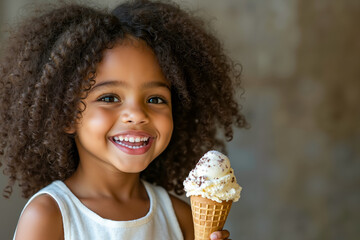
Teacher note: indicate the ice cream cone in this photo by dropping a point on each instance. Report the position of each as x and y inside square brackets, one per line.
[208, 216]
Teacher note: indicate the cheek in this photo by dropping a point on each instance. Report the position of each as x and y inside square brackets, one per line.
[96, 122]
[166, 125]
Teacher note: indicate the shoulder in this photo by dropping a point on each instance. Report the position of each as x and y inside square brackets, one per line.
[184, 216]
[41, 219]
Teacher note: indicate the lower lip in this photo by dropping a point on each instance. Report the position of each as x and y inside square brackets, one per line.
[131, 151]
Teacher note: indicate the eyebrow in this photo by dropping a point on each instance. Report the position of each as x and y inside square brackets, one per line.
[156, 84]
[114, 83]
[108, 83]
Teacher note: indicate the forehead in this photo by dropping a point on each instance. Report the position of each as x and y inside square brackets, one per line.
[129, 54]
[129, 45]
[131, 62]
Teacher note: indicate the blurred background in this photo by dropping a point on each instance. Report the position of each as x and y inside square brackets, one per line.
[299, 164]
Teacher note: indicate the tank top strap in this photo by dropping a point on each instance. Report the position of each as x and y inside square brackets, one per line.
[166, 208]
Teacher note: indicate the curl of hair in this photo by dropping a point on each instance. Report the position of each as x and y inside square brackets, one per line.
[203, 82]
[48, 67]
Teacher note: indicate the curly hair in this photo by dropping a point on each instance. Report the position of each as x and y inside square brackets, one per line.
[51, 63]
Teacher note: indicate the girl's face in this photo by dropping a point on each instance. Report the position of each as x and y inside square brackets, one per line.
[128, 121]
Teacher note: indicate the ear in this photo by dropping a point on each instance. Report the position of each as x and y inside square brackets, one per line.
[70, 130]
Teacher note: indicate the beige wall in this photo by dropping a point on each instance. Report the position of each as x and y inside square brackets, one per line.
[299, 163]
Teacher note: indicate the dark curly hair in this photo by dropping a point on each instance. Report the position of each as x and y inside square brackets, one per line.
[51, 63]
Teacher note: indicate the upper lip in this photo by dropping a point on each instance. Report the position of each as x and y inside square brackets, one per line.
[133, 133]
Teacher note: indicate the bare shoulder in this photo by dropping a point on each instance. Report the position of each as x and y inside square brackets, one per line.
[183, 214]
[41, 219]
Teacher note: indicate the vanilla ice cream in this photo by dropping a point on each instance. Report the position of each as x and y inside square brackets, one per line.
[213, 178]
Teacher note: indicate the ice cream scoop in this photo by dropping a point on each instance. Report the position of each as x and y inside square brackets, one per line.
[213, 178]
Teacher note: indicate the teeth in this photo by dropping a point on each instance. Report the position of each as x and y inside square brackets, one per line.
[132, 147]
[131, 139]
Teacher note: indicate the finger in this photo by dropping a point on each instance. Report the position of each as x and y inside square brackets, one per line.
[224, 234]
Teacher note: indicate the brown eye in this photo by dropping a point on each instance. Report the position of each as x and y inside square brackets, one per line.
[109, 99]
[156, 100]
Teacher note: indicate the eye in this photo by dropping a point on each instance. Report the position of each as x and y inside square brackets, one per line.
[108, 99]
[156, 100]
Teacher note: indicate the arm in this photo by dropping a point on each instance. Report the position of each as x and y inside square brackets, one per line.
[184, 216]
[40, 220]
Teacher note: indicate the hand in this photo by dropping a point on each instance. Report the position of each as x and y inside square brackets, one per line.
[218, 235]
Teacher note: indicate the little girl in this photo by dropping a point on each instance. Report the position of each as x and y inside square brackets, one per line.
[101, 114]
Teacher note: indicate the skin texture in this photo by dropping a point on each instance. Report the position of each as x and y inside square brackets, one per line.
[130, 93]
[40, 220]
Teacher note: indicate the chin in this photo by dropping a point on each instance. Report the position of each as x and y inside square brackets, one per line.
[133, 168]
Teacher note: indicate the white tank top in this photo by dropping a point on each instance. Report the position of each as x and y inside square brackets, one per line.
[80, 223]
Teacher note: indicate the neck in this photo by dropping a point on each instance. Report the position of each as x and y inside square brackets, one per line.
[95, 181]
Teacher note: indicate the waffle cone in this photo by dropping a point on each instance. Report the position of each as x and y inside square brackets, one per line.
[208, 216]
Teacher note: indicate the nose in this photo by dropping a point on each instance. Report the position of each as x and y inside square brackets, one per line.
[134, 114]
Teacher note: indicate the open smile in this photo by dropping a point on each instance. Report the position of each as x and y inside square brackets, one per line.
[134, 143]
